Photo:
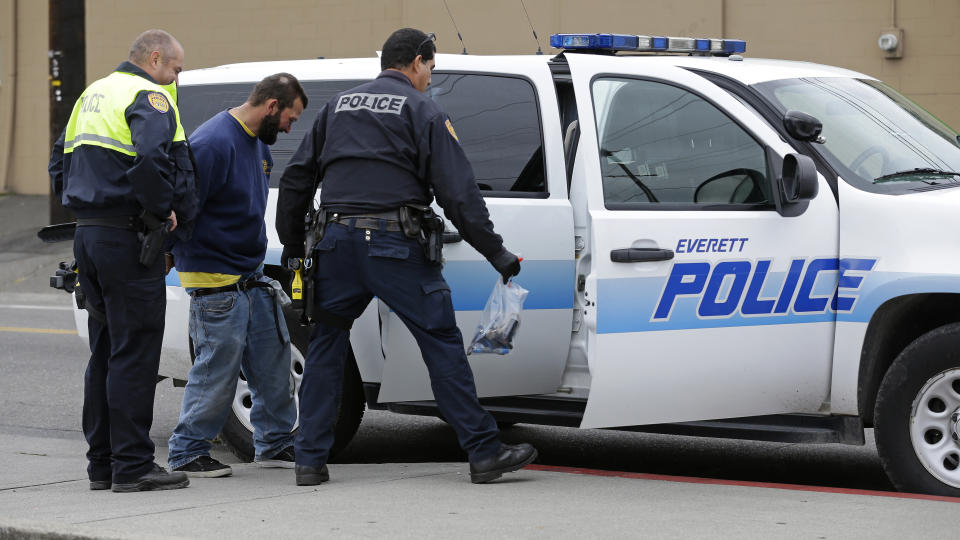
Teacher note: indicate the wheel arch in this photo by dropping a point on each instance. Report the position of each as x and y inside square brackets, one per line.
[896, 324]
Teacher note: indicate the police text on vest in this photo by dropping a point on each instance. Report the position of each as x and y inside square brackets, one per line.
[378, 103]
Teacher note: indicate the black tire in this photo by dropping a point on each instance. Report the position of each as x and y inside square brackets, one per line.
[239, 438]
[925, 378]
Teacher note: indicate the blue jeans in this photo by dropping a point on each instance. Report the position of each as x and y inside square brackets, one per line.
[234, 331]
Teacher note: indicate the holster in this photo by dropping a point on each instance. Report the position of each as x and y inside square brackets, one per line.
[316, 225]
[431, 237]
[411, 219]
[152, 239]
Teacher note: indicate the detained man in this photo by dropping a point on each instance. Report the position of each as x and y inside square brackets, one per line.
[236, 322]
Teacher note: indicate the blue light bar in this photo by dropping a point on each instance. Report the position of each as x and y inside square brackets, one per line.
[610, 42]
[627, 42]
[734, 46]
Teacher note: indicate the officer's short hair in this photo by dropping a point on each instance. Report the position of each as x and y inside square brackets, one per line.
[282, 86]
[153, 40]
[403, 46]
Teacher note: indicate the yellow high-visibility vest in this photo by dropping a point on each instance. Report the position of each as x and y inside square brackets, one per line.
[99, 119]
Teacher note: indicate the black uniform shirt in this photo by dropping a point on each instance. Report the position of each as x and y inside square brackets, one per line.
[377, 147]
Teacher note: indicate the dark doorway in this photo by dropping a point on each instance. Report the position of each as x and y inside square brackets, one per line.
[68, 75]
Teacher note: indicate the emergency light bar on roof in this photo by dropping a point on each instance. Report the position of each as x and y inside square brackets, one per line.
[628, 42]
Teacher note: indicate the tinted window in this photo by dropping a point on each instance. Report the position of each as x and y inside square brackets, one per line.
[199, 103]
[498, 123]
[663, 145]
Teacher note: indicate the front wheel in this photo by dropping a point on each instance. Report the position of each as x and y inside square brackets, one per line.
[917, 415]
[237, 432]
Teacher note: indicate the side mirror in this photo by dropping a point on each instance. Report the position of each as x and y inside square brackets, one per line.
[799, 180]
[802, 126]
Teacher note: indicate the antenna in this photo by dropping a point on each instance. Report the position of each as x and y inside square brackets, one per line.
[535, 38]
[455, 27]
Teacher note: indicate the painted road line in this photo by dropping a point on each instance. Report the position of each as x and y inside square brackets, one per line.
[36, 330]
[24, 306]
[743, 483]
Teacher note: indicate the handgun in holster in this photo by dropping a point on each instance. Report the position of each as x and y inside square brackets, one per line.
[315, 224]
[423, 224]
[152, 239]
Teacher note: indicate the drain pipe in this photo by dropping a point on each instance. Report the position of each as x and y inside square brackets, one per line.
[10, 101]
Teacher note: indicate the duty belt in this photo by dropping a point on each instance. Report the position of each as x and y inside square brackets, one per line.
[240, 286]
[389, 219]
[130, 223]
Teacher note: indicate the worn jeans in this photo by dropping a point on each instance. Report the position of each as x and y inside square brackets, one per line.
[233, 332]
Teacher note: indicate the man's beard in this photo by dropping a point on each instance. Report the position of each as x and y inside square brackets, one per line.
[269, 128]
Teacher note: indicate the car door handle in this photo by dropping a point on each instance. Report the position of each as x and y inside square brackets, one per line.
[630, 255]
[451, 237]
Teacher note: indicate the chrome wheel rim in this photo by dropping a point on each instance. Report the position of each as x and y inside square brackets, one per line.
[243, 401]
[935, 426]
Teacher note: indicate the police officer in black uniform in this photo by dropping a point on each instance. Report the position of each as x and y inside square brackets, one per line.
[377, 148]
[123, 167]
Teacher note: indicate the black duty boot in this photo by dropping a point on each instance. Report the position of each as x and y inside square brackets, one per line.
[311, 476]
[97, 485]
[511, 457]
[156, 479]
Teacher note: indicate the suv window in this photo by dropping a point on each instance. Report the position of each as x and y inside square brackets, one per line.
[199, 103]
[498, 123]
[662, 147]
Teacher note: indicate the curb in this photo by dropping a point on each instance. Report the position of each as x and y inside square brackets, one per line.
[29, 530]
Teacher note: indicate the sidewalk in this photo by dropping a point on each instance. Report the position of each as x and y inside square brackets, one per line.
[44, 494]
[27, 263]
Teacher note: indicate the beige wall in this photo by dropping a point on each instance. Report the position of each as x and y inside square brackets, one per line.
[24, 104]
[8, 73]
[214, 32]
[225, 31]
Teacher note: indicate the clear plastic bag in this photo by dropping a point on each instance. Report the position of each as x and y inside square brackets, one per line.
[500, 319]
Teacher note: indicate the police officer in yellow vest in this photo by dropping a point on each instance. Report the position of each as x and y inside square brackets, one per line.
[124, 168]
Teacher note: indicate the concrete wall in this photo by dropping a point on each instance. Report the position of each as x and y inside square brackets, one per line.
[225, 31]
[24, 102]
[215, 32]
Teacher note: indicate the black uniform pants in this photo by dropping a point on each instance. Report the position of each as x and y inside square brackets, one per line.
[352, 266]
[121, 377]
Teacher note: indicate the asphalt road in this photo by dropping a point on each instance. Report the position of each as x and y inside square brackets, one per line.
[42, 392]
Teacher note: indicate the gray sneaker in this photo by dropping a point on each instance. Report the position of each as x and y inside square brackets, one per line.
[285, 459]
[205, 467]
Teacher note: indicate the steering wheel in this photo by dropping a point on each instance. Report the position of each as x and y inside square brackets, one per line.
[754, 179]
[862, 158]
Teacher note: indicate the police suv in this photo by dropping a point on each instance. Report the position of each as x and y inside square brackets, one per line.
[713, 246]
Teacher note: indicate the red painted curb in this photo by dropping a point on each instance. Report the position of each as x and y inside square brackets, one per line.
[744, 483]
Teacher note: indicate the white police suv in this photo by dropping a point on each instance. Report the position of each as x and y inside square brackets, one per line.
[713, 245]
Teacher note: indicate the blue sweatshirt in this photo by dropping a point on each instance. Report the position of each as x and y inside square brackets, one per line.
[233, 173]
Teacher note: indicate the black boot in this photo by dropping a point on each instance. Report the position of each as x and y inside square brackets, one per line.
[96, 485]
[311, 476]
[157, 478]
[511, 457]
